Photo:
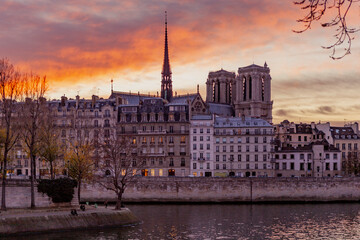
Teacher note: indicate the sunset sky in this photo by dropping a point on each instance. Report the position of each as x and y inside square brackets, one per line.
[81, 45]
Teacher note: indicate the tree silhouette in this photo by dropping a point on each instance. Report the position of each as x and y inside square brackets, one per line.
[318, 9]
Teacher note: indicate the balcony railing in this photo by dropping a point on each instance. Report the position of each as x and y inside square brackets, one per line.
[243, 133]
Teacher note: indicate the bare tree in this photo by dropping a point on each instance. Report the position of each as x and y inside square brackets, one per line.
[10, 91]
[317, 9]
[119, 165]
[31, 113]
[79, 162]
[49, 145]
[351, 165]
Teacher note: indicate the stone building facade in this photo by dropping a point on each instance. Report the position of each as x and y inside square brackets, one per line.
[318, 159]
[202, 145]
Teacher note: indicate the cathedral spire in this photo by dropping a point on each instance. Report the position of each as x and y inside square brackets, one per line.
[166, 82]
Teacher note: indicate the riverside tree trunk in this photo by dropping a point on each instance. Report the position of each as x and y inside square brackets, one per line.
[32, 180]
[51, 170]
[3, 185]
[79, 189]
[119, 200]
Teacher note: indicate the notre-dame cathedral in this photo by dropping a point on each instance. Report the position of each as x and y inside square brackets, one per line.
[248, 92]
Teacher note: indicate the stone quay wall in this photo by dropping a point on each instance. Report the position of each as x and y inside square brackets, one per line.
[18, 195]
[63, 220]
[189, 189]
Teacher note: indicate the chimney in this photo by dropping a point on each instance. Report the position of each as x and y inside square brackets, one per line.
[77, 101]
[118, 100]
[93, 100]
[63, 101]
[243, 117]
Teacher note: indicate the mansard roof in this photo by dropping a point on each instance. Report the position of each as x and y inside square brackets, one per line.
[343, 133]
[240, 122]
[202, 117]
[221, 109]
[183, 99]
[131, 98]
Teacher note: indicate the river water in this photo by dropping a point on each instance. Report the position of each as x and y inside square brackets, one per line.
[231, 221]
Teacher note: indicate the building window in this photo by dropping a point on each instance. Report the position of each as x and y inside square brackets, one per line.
[224, 140]
[239, 140]
[343, 146]
[247, 148]
[63, 133]
[264, 157]
[264, 148]
[335, 156]
[194, 165]
[335, 166]
[194, 130]
[208, 146]
[302, 166]
[327, 156]
[201, 146]
[217, 166]
[239, 148]
[171, 140]
[239, 158]
[247, 157]
[182, 164]
[247, 139]
[217, 149]
[301, 156]
[327, 166]
[106, 133]
[182, 139]
[224, 158]
[224, 166]
[171, 164]
[284, 166]
[231, 148]
[292, 166]
[107, 123]
[96, 123]
[349, 146]
[224, 148]
[217, 157]
[256, 140]
[194, 146]
[171, 129]
[201, 130]
[292, 156]
[217, 140]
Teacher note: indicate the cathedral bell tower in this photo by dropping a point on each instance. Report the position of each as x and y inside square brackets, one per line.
[166, 82]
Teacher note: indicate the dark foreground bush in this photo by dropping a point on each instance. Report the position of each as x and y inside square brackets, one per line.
[60, 190]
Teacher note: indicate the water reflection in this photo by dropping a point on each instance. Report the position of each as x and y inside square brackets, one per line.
[217, 221]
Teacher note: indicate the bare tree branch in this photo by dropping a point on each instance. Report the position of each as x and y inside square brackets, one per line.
[316, 10]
